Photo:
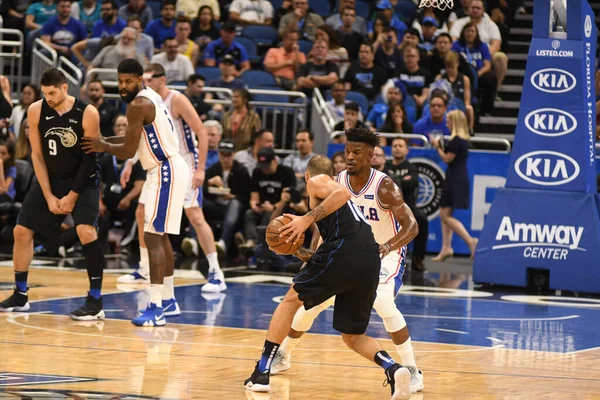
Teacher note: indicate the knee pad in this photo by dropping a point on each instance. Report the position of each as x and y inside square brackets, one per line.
[393, 321]
[304, 319]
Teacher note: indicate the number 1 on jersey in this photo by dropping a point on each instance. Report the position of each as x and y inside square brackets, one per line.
[52, 147]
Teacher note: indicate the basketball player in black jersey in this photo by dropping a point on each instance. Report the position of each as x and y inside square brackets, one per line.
[346, 265]
[66, 183]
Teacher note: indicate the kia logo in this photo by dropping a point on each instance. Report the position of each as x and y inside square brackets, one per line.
[550, 122]
[546, 168]
[587, 26]
[553, 80]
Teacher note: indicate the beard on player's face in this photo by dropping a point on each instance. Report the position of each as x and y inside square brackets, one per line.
[128, 96]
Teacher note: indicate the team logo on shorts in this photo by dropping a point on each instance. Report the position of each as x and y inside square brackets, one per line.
[431, 180]
[67, 136]
[383, 273]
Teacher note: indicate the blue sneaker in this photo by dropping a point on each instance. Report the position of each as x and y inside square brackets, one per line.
[215, 284]
[135, 277]
[153, 316]
[171, 308]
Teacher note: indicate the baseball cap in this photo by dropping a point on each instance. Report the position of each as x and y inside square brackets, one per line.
[226, 146]
[228, 26]
[384, 5]
[265, 156]
[228, 59]
[430, 21]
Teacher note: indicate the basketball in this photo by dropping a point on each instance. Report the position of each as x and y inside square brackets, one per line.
[277, 244]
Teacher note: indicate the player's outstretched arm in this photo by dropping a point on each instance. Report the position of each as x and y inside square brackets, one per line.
[187, 111]
[390, 194]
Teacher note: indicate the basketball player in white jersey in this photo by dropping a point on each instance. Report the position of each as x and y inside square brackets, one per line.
[151, 133]
[394, 226]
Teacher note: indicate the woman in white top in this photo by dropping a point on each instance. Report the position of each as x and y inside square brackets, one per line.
[29, 94]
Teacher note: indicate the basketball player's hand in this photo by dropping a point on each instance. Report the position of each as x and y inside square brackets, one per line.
[53, 206]
[126, 173]
[294, 229]
[384, 250]
[267, 206]
[124, 204]
[67, 203]
[92, 145]
[198, 179]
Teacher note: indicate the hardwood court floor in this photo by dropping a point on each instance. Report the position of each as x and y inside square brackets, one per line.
[186, 361]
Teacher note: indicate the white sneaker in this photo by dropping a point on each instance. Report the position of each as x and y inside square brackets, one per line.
[221, 247]
[215, 284]
[136, 276]
[416, 380]
[190, 247]
[281, 363]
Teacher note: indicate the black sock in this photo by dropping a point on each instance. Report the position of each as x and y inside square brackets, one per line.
[268, 353]
[383, 359]
[94, 258]
[21, 281]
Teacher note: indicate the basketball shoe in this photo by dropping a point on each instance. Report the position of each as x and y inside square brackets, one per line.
[136, 276]
[258, 381]
[17, 302]
[416, 379]
[153, 316]
[398, 377]
[216, 282]
[281, 363]
[90, 311]
[171, 308]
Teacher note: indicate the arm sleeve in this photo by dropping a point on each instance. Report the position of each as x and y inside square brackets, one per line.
[453, 146]
[88, 165]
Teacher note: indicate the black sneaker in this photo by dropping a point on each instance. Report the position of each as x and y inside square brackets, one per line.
[398, 378]
[258, 381]
[17, 302]
[91, 310]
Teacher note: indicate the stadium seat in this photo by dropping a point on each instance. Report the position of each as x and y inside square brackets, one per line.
[250, 47]
[359, 99]
[155, 7]
[321, 7]
[305, 46]
[209, 73]
[410, 105]
[177, 83]
[407, 10]
[261, 35]
[362, 9]
[256, 79]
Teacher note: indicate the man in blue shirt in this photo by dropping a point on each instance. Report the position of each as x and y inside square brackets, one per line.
[385, 11]
[218, 49]
[110, 24]
[435, 123]
[163, 27]
[61, 32]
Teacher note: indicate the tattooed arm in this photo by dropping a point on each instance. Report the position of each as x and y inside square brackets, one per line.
[305, 254]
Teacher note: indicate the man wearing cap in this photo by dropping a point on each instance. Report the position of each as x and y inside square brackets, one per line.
[268, 181]
[226, 45]
[429, 27]
[226, 192]
[385, 11]
[227, 80]
[177, 66]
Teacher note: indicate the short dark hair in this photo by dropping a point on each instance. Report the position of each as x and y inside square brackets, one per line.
[443, 34]
[64, 1]
[96, 80]
[369, 44]
[183, 19]
[340, 82]
[169, 38]
[319, 165]
[196, 77]
[413, 31]
[389, 29]
[311, 136]
[165, 3]
[53, 77]
[134, 18]
[156, 69]
[352, 106]
[112, 3]
[130, 66]
[439, 96]
[405, 140]
[362, 135]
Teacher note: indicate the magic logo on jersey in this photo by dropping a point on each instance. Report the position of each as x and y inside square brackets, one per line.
[67, 136]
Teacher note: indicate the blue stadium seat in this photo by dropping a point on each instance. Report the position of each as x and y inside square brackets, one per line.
[209, 73]
[250, 47]
[362, 9]
[321, 7]
[305, 46]
[262, 35]
[155, 7]
[410, 105]
[359, 99]
[406, 9]
[177, 83]
[271, 98]
[256, 79]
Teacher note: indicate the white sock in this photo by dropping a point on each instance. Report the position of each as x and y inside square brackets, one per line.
[169, 288]
[213, 262]
[156, 294]
[144, 261]
[405, 351]
[288, 345]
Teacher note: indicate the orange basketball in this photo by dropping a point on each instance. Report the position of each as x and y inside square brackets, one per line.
[277, 244]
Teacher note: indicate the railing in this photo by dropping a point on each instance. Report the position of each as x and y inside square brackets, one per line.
[321, 105]
[409, 136]
[13, 57]
[43, 57]
[70, 70]
[321, 121]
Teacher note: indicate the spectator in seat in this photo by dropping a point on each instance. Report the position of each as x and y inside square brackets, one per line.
[336, 21]
[351, 120]
[38, 13]
[364, 76]
[285, 61]
[394, 91]
[239, 123]
[177, 66]
[215, 132]
[335, 53]
[477, 53]
[189, 8]
[87, 12]
[204, 28]
[227, 81]
[434, 124]
[13, 14]
[195, 86]
[339, 162]
[488, 34]
[385, 12]
[305, 21]
[228, 206]
[118, 203]
[461, 84]
[318, 73]
[164, 27]
[266, 185]
[62, 31]
[144, 44]
[437, 60]
[251, 12]
[249, 157]
[29, 95]
[23, 147]
[416, 78]
[111, 56]
[305, 141]
[187, 47]
[8, 171]
[396, 120]
[460, 11]
[348, 37]
[338, 102]
[110, 24]
[106, 110]
[387, 54]
[137, 9]
[429, 28]
[412, 38]
[286, 7]
[226, 45]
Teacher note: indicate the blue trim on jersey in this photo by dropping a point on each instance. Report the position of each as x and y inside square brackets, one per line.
[155, 145]
[398, 278]
[163, 197]
[199, 197]
[323, 270]
[189, 139]
[364, 189]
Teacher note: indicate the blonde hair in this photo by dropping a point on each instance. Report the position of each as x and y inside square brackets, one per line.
[23, 147]
[459, 124]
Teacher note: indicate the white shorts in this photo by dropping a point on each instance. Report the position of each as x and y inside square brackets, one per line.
[163, 194]
[193, 197]
[392, 266]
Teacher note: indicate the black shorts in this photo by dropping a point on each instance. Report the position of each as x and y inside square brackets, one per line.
[347, 270]
[36, 216]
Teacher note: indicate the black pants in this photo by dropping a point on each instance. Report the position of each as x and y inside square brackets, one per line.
[420, 241]
[488, 86]
[126, 217]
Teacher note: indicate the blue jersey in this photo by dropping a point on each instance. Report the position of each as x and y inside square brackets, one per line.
[425, 126]
[102, 29]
